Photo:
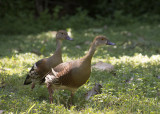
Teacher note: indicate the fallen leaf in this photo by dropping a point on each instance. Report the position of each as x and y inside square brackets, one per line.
[77, 46]
[87, 42]
[103, 66]
[94, 91]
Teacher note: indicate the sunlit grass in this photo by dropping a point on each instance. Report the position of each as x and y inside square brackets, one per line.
[134, 88]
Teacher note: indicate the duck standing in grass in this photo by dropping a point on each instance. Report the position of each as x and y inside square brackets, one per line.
[43, 66]
[71, 75]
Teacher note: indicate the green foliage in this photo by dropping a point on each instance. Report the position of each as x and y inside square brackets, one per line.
[34, 16]
[17, 8]
[79, 20]
[134, 88]
[94, 7]
[56, 12]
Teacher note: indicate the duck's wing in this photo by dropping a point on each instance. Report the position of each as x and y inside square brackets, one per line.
[61, 74]
[36, 71]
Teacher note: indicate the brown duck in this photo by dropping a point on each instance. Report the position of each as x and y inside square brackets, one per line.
[43, 66]
[71, 75]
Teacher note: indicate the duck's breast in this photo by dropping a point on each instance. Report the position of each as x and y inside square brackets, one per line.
[81, 73]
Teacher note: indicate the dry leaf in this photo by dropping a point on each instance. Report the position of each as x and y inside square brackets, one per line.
[87, 42]
[103, 66]
[77, 46]
[94, 91]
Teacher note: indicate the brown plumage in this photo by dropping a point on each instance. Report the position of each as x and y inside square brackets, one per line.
[43, 66]
[71, 75]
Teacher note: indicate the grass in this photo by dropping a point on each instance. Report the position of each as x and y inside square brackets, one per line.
[134, 89]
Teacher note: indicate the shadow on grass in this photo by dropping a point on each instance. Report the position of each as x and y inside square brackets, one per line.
[46, 45]
[113, 86]
[15, 90]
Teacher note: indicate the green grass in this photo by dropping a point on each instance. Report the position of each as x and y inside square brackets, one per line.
[134, 89]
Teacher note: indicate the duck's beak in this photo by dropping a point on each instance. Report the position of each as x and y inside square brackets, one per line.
[68, 38]
[110, 43]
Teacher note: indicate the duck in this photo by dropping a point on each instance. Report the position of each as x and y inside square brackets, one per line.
[43, 66]
[73, 74]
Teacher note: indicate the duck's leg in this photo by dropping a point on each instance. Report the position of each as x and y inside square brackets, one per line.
[33, 85]
[72, 94]
[50, 90]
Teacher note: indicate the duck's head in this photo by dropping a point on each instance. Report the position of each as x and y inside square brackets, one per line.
[62, 35]
[102, 40]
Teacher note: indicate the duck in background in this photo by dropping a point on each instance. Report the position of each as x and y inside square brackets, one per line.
[43, 66]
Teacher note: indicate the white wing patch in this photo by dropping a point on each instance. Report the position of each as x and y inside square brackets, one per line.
[33, 73]
[51, 79]
[35, 66]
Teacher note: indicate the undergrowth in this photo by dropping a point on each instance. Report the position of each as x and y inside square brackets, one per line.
[134, 88]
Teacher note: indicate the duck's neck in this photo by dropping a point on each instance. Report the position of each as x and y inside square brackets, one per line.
[89, 55]
[58, 51]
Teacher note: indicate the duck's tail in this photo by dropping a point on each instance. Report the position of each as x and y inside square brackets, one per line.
[27, 80]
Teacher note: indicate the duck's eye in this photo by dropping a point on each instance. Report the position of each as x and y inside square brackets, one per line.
[102, 39]
[62, 33]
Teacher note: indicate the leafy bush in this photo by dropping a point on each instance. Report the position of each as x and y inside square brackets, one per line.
[19, 17]
[80, 20]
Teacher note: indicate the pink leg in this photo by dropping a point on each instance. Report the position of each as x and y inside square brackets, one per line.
[50, 90]
[33, 85]
[72, 94]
